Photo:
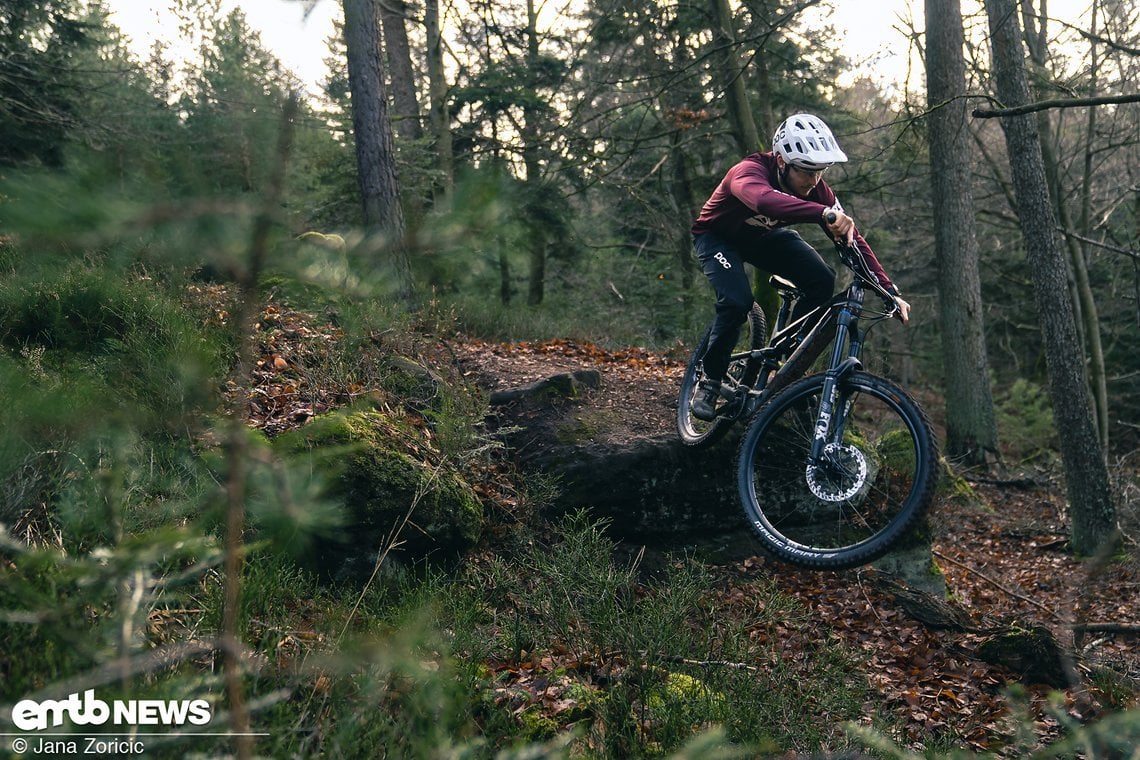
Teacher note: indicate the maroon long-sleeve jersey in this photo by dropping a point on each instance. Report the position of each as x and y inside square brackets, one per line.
[748, 203]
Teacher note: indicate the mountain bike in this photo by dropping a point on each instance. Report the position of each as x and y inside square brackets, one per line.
[835, 467]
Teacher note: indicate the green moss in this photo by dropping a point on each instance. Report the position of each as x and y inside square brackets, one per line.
[587, 426]
[381, 469]
[537, 726]
[587, 700]
[953, 486]
[896, 450]
[685, 696]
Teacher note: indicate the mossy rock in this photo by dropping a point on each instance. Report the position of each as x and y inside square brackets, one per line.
[1033, 653]
[587, 426]
[378, 469]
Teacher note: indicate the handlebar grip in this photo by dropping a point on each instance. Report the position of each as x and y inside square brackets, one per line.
[830, 217]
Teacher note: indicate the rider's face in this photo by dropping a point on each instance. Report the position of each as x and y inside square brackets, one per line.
[800, 181]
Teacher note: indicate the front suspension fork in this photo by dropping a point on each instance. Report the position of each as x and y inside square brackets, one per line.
[844, 360]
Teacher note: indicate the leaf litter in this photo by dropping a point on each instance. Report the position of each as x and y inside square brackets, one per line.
[1002, 554]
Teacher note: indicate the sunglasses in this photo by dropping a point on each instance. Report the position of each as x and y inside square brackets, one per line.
[808, 172]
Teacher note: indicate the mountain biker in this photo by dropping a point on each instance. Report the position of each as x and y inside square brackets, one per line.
[746, 219]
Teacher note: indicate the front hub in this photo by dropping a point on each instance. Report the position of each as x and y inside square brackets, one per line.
[840, 473]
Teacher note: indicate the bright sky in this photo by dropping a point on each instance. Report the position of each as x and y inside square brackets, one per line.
[878, 39]
[295, 30]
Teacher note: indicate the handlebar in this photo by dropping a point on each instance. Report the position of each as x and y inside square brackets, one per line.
[852, 258]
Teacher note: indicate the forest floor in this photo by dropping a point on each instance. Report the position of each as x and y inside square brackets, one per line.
[1003, 553]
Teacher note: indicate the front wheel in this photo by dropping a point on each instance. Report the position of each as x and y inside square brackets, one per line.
[868, 488]
[742, 372]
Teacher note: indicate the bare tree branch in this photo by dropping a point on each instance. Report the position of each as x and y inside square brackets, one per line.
[1099, 244]
[1091, 37]
[1043, 105]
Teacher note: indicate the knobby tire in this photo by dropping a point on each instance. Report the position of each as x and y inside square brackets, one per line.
[879, 480]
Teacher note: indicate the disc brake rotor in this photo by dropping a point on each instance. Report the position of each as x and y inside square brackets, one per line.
[840, 475]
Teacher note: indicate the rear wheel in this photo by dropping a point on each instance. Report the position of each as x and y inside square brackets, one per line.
[864, 494]
[741, 372]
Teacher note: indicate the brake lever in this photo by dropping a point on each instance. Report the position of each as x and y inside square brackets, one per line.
[853, 260]
[892, 306]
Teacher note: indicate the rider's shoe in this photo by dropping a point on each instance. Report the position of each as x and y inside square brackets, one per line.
[704, 405]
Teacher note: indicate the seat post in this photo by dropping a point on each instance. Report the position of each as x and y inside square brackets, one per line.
[786, 302]
[788, 293]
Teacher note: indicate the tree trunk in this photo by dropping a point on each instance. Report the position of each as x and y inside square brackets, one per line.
[1092, 326]
[682, 188]
[767, 126]
[763, 78]
[375, 158]
[536, 276]
[1091, 508]
[971, 427]
[736, 98]
[504, 272]
[438, 116]
[1084, 301]
[502, 244]
[685, 207]
[1086, 308]
[741, 120]
[404, 102]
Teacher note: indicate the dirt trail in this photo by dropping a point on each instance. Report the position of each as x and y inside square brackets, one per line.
[1003, 554]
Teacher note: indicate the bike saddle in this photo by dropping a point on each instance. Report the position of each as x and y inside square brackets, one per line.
[784, 286]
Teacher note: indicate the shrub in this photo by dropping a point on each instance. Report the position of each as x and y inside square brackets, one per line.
[83, 322]
[1025, 419]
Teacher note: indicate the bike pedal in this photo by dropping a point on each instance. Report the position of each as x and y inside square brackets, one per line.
[730, 409]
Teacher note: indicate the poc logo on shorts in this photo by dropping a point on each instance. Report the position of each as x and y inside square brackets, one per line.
[723, 261]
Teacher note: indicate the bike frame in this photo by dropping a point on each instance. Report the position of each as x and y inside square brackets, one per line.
[814, 482]
[847, 309]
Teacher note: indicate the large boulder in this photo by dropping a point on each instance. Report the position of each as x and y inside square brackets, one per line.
[396, 490]
[648, 485]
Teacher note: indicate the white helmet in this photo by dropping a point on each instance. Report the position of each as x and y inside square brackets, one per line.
[806, 143]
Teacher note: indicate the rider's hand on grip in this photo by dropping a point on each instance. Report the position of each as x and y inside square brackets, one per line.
[903, 312]
[840, 225]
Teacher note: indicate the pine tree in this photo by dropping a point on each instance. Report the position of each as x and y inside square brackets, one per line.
[40, 82]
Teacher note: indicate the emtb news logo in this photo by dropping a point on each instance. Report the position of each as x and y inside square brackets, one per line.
[30, 715]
